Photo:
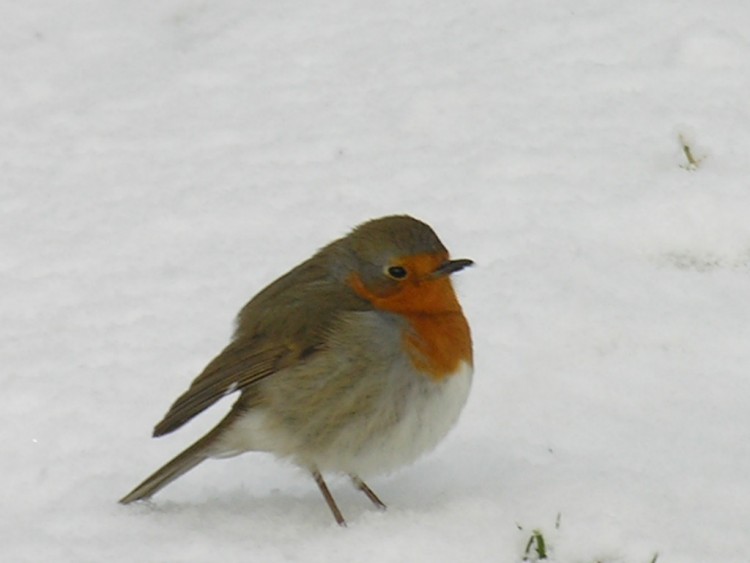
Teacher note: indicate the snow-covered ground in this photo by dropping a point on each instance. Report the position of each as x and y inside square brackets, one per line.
[163, 160]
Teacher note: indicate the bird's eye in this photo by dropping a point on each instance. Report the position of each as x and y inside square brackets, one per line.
[396, 272]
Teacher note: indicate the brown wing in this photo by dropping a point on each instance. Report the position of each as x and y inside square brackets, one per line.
[239, 365]
[285, 323]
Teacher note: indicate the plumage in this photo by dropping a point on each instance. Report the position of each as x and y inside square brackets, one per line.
[339, 365]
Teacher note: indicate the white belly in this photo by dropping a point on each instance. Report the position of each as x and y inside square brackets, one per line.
[429, 412]
[429, 417]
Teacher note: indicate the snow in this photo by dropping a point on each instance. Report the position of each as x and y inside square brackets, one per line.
[162, 161]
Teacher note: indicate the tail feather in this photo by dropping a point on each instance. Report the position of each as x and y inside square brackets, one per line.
[180, 465]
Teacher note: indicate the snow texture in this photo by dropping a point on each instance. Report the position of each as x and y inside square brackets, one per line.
[162, 160]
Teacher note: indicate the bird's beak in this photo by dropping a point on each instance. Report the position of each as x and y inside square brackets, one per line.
[451, 266]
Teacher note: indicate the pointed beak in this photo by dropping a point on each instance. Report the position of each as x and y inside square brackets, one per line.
[451, 266]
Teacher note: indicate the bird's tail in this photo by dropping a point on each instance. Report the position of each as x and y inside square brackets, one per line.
[184, 462]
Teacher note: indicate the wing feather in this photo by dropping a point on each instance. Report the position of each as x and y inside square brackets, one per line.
[284, 324]
[239, 365]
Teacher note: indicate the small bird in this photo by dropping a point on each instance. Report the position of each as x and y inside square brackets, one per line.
[357, 361]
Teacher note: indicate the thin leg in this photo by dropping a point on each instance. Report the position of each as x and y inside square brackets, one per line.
[329, 498]
[362, 486]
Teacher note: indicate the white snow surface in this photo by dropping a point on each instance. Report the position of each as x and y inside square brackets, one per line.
[163, 160]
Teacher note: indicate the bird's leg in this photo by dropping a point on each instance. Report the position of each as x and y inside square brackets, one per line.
[362, 486]
[329, 497]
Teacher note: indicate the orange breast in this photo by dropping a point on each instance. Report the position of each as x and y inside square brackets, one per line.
[439, 343]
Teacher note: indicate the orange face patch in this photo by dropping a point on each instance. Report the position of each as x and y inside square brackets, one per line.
[440, 337]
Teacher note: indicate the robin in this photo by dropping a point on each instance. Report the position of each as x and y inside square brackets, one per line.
[357, 361]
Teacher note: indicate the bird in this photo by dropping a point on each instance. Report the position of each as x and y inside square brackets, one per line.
[356, 362]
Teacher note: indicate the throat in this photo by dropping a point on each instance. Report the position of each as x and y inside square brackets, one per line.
[438, 343]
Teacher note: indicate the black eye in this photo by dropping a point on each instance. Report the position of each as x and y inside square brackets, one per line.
[397, 272]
